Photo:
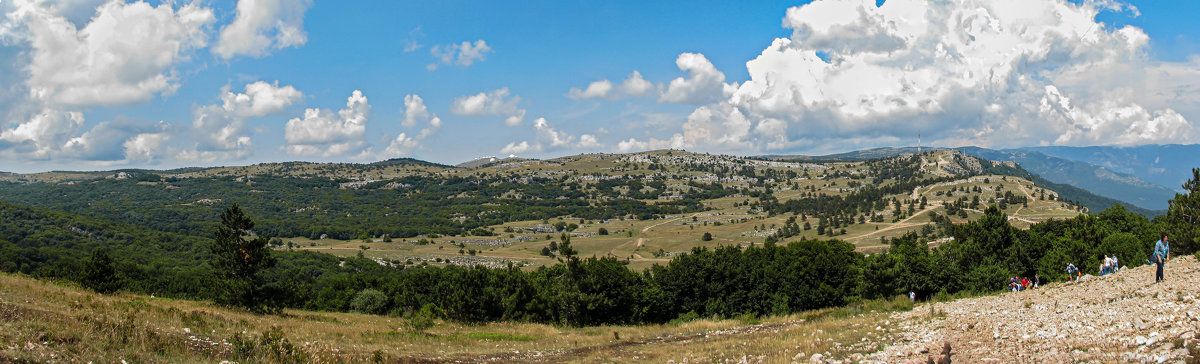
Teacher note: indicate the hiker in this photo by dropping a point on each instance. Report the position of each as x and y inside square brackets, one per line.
[1037, 280]
[1116, 264]
[912, 296]
[1025, 283]
[1162, 255]
[1072, 272]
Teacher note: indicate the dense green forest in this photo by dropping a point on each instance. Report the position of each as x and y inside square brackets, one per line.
[312, 207]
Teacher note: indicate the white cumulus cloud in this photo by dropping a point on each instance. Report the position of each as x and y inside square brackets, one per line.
[220, 130]
[595, 90]
[146, 147]
[634, 86]
[119, 140]
[463, 54]
[261, 26]
[415, 112]
[589, 141]
[981, 72]
[402, 146]
[515, 148]
[125, 53]
[328, 134]
[491, 103]
[635, 145]
[44, 134]
[261, 98]
[549, 137]
[703, 84]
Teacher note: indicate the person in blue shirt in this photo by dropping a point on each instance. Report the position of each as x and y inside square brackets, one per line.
[1162, 255]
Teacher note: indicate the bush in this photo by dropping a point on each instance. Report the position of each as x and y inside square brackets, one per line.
[602, 231]
[271, 346]
[685, 318]
[369, 301]
[706, 237]
[748, 318]
[423, 319]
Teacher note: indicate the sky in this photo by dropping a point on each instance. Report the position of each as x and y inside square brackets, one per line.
[92, 84]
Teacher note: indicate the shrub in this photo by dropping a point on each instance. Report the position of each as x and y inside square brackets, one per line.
[423, 319]
[369, 301]
[271, 346]
[685, 318]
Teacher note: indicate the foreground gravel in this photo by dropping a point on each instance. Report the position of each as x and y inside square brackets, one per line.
[1122, 317]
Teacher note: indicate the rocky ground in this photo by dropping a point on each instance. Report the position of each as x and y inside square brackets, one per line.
[1122, 317]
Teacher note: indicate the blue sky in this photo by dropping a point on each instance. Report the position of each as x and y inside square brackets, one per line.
[84, 85]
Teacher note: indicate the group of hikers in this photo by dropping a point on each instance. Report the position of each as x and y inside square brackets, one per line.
[1159, 257]
[1108, 266]
[1017, 284]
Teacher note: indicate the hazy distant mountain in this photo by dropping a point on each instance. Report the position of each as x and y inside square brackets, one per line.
[1091, 177]
[1164, 165]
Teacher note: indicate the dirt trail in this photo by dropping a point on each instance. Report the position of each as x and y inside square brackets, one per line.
[900, 224]
[1122, 317]
[641, 239]
[585, 352]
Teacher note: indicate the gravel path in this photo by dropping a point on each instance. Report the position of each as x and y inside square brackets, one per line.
[1122, 317]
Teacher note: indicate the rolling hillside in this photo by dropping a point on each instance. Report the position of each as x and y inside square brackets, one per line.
[1093, 186]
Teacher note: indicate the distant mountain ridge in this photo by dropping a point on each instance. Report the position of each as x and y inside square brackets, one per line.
[1095, 186]
[1164, 165]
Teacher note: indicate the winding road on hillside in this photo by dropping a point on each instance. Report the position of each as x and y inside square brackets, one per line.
[641, 238]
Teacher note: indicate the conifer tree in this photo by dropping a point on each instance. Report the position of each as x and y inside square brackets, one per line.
[99, 274]
[1183, 215]
[239, 262]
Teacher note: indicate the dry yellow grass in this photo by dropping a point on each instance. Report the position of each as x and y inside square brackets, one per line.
[45, 321]
[730, 222]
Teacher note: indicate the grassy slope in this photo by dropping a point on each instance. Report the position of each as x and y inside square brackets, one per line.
[46, 321]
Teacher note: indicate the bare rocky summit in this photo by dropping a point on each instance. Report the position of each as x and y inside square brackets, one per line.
[1122, 317]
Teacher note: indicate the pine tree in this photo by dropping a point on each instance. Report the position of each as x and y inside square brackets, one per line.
[1183, 216]
[239, 262]
[565, 248]
[99, 274]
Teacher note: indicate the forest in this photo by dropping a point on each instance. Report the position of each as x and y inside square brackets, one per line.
[315, 207]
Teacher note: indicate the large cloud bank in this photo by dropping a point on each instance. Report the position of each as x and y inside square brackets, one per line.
[982, 72]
